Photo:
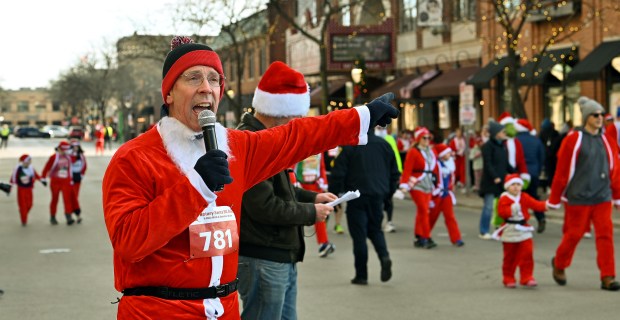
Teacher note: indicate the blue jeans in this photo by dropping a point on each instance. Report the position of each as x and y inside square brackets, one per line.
[487, 211]
[268, 290]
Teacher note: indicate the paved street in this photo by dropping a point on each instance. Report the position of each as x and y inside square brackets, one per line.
[65, 272]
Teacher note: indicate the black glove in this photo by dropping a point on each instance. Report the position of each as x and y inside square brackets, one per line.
[44, 183]
[5, 187]
[382, 111]
[213, 169]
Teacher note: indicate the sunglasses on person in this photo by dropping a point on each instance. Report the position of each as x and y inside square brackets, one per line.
[596, 115]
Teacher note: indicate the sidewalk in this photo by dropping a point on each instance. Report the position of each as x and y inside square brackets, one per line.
[473, 201]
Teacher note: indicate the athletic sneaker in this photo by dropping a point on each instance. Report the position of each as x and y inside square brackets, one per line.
[389, 227]
[338, 228]
[326, 248]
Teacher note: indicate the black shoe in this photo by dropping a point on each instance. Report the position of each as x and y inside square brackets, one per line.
[79, 220]
[53, 221]
[430, 244]
[610, 284]
[542, 224]
[359, 281]
[386, 269]
[70, 222]
[420, 243]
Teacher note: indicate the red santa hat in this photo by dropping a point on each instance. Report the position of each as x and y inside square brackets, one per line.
[419, 133]
[64, 145]
[512, 178]
[442, 149]
[75, 142]
[522, 125]
[24, 157]
[608, 117]
[505, 118]
[282, 92]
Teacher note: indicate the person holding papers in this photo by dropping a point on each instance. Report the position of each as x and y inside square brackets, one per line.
[372, 170]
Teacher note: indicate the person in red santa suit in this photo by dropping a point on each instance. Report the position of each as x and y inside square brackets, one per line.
[457, 144]
[175, 248]
[24, 176]
[516, 157]
[420, 178]
[311, 175]
[444, 200]
[516, 233]
[58, 169]
[587, 181]
[100, 132]
[78, 169]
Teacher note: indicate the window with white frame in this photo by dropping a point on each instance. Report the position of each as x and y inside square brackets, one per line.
[409, 15]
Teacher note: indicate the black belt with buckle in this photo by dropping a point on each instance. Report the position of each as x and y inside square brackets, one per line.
[184, 293]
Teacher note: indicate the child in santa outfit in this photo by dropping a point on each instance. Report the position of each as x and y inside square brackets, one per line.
[78, 169]
[24, 177]
[515, 233]
[310, 175]
[420, 175]
[58, 168]
[444, 200]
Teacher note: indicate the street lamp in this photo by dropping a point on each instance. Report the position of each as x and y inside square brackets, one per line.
[356, 75]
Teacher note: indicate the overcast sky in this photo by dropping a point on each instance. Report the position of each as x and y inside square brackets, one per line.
[43, 38]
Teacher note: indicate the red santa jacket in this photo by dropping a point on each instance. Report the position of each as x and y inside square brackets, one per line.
[516, 158]
[567, 160]
[58, 168]
[611, 133]
[151, 194]
[310, 174]
[416, 167]
[516, 209]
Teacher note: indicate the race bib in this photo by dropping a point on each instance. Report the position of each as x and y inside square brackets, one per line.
[24, 178]
[214, 233]
[63, 173]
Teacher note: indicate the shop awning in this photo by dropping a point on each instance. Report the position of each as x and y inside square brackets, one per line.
[404, 86]
[528, 75]
[483, 77]
[590, 67]
[448, 83]
[334, 87]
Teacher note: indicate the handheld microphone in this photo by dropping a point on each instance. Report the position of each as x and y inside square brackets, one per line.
[206, 119]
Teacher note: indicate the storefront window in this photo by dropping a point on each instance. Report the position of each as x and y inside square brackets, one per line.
[560, 112]
[410, 115]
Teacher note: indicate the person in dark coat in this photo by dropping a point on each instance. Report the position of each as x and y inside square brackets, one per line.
[494, 169]
[534, 152]
[372, 170]
[548, 136]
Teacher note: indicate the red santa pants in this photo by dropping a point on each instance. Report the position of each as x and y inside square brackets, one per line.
[422, 202]
[75, 201]
[24, 202]
[445, 205]
[518, 254]
[459, 172]
[577, 219]
[56, 187]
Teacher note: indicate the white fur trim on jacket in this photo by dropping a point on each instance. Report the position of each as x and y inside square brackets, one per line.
[364, 115]
[184, 149]
[281, 104]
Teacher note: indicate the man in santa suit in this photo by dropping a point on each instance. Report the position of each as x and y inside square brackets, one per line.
[516, 158]
[612, 130]
[587, 181]
[457, 144]
[58, 168]
[420, 177]
[175, 248]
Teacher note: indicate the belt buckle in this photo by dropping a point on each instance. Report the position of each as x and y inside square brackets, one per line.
[221, 290]
[163, 291]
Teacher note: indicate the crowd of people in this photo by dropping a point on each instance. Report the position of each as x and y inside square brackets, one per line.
[65, 169]
[196, 230]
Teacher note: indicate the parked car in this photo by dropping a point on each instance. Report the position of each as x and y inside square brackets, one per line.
[30, 132]
[56, 131]
[76, 132]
